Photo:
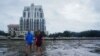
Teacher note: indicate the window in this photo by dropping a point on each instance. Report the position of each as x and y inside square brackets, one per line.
[40, 9]
[41, 15]
[28, 14]
[24, 14]
[35, 14]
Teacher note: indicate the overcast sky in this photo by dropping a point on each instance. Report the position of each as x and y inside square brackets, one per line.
[60, 15]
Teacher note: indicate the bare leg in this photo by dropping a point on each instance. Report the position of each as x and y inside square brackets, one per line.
[30, 48]
[36, 48]
[33, 46]
[27, 50]
[39, 51]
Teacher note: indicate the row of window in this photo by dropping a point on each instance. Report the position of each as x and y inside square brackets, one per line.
[36, 14]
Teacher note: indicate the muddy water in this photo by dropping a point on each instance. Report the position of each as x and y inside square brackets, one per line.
[53, 48]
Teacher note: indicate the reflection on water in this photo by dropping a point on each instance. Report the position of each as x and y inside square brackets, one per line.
[53, 48]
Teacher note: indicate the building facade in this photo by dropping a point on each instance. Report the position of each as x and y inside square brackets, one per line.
[13, 29]
[32, 19]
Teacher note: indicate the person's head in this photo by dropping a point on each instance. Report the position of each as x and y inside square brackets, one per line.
[28, 31]
[38, 32]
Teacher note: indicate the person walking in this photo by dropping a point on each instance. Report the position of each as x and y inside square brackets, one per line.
[38, 42]
[29, 39]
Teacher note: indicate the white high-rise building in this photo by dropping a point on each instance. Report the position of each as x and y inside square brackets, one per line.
[32, 19]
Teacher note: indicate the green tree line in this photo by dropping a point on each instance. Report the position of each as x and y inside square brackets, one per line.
[89, 33]
[2, 33]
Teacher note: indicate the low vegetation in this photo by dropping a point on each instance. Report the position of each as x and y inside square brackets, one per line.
[89, 33]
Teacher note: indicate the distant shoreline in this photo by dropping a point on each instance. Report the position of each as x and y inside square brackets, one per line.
[57, 38]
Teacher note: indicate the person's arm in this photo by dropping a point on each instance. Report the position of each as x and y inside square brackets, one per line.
[25, 37]
[34, 38]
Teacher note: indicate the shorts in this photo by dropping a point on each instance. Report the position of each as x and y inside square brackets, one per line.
[38, 44]
[29, 43]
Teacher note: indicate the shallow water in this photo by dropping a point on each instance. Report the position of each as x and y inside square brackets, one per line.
[53, 48]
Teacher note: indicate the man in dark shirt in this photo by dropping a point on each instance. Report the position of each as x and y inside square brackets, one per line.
[39, 42]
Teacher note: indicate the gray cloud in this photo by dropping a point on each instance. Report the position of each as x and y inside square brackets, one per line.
[96, 5]
[60, 15]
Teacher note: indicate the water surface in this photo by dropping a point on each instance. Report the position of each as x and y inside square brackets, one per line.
[53, 48]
